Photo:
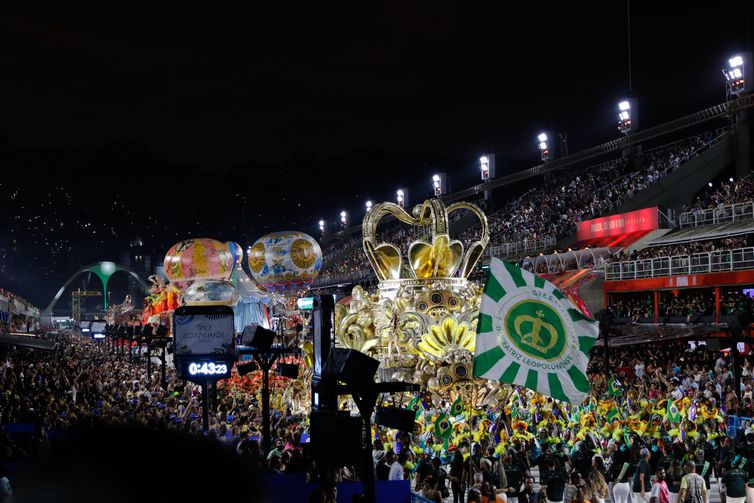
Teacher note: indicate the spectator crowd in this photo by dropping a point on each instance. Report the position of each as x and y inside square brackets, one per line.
[547, 212]
[528, 446]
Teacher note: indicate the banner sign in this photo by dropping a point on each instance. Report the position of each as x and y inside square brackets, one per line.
[646, 219]
[204, 330]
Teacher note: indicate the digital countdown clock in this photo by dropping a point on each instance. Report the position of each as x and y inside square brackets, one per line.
[210, 369]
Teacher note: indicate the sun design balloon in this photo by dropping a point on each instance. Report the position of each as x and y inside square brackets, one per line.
[198, 259]
[285, 262]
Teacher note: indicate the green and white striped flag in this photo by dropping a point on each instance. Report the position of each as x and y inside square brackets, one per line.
[531, 335]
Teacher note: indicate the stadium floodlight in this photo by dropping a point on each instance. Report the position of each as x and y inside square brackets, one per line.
[401, 197]
[544, 150]
[439, 186]
[321, 227]
[369, 205]
[737, 74]
[625, 120]
[343, 219]
[487, 167]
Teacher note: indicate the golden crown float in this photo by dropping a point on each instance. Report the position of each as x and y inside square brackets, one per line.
[421, 324]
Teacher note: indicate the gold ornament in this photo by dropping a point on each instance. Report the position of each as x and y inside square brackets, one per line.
[448, 335]
[440, 259]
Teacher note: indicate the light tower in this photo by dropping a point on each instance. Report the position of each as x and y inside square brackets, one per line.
[344, 219]
[738, 82]
[322, 227]
[738, 75]
[487, 167]
[439, 184]
[628, 116]
[401, 196]
[544, 148]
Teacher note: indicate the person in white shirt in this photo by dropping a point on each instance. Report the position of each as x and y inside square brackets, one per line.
[639, 369]
[396, 469]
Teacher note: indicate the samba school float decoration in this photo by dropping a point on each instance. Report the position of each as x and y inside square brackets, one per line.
[285, 262]
[422, 323]
[200, 269]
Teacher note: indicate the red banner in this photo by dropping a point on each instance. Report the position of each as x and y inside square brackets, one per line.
[646, 219]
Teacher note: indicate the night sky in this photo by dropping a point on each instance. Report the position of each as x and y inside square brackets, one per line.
[167, 123]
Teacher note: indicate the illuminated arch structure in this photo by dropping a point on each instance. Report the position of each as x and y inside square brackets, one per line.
[103, 270]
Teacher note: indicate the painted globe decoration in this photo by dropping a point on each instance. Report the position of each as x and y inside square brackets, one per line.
[211, 293]
[237, 252]
[198, 259]
[285, 262]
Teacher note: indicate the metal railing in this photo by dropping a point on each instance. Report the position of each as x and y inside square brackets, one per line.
[343, 278]
[520, 247]
[719, 215]
[696, 263]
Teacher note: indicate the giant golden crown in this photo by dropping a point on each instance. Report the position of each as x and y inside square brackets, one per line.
[443, 258]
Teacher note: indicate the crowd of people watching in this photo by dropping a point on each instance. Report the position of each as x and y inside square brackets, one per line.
[720, 199]
[684, 306]
[539, 216]
[554, 210]
[85, 383]
[685, 249]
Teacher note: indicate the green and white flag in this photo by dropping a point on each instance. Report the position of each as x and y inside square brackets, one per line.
[531, 335]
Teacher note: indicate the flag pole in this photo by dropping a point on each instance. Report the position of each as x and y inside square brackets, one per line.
[603, 316]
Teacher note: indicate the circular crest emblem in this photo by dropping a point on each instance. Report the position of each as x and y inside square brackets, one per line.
[536, 329]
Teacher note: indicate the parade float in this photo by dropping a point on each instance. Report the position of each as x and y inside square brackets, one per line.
[421, 323]
[125, 313]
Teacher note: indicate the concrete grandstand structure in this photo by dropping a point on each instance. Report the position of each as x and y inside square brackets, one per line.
[677, 169]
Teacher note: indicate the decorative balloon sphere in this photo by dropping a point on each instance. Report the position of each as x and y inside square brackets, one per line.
[211, 293]
[198, 259]
[285, 262]
[237, 252]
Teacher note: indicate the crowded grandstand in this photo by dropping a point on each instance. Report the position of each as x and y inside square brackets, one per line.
[651, 237]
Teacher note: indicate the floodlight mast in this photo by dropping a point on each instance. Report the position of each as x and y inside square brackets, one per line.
[738, 78]
[627, 114]
[544, 149]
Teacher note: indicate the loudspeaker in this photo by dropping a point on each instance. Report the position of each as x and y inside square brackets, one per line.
[289, 370]
[257, 337]
[335, 438]
[148, 330]
[161, 331]
[394, 417]
[245, 368]
[350, 366]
